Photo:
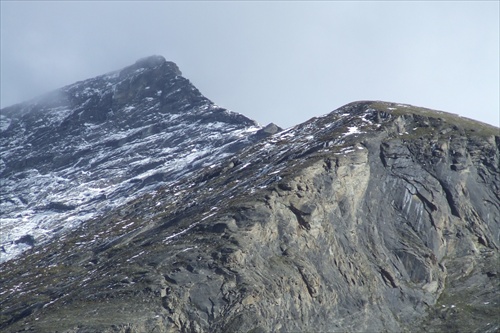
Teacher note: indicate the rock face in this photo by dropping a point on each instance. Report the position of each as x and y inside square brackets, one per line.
[89, 147]
[375, 217]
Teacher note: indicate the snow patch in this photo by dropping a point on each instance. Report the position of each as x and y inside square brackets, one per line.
[352, 130]
[4, 123]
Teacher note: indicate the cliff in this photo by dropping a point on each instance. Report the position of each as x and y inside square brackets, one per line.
[375, 217]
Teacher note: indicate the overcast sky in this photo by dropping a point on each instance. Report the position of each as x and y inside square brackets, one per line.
[281, 62]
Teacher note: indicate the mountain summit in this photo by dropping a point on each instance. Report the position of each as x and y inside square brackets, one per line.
[84, 149]
[377, 217]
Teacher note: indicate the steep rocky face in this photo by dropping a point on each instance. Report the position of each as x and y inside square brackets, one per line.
[376, 217]
[89, 147]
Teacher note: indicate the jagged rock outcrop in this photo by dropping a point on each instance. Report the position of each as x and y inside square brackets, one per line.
[84, 149]
[375, 217]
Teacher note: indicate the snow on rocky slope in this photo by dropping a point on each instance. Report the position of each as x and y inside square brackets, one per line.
[84, 149]
[376, 217]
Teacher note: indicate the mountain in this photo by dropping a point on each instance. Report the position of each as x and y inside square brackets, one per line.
[89, 147]
[377, 217]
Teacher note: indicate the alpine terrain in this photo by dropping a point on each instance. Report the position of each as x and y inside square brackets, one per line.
[89, 147]
[132, 203]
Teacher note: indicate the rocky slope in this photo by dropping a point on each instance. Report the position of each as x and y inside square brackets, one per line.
[89, 147]
[375, 217]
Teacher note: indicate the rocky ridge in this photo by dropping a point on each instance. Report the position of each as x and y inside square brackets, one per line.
[376, 217]
[87, 148]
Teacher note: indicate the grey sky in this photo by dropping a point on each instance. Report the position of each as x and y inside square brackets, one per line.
[281, 62]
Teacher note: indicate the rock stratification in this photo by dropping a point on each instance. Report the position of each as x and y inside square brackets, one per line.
[375, 217]
[77, 152]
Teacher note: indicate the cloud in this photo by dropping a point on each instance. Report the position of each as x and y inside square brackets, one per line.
[281, 62]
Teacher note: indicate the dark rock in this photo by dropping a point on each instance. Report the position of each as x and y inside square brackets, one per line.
[26, 239]
[91, 146]
[317, 228]
[58, 206]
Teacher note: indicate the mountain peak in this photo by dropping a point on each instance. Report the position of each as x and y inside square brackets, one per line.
[375, 217]
[149, 63]
[139, 201]
[135, 128]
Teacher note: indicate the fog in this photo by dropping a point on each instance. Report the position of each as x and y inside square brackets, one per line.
[281, 62]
